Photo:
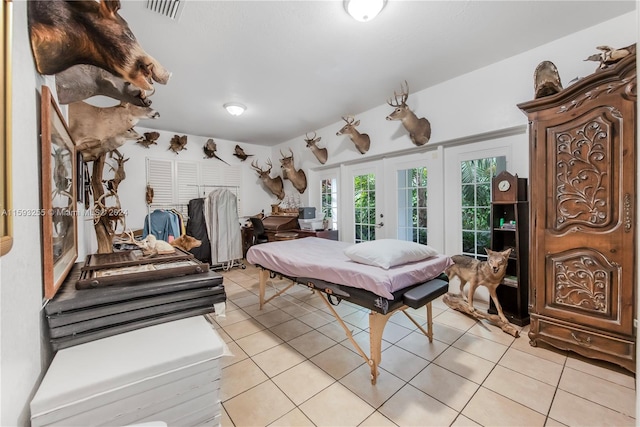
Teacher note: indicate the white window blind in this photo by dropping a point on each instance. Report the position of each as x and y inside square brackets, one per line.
[176, 182]
[160, 177]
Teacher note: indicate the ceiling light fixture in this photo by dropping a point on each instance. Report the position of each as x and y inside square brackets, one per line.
[234, 108]
[364, 10]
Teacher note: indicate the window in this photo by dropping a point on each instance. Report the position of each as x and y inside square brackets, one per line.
[175, 182]
[412, 205]
[476, 203]
[364, 203]
[329, 194]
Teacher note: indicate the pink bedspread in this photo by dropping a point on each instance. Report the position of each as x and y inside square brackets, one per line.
[324, 259]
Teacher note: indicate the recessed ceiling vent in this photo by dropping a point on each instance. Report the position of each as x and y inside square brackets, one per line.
[169, 8]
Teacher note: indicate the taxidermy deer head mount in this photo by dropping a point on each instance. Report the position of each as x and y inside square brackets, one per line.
[297, 177]
[320, 153]
[419, 129]
[361, 140]
[178, 143]
[275, 185]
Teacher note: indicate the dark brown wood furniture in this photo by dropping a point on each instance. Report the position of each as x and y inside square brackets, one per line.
[279, 224]
[583, 198]
[510, 229]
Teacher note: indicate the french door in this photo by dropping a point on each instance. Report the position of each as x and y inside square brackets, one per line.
[366, 195]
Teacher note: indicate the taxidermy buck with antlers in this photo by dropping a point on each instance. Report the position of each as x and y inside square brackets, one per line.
[419, 128]
[119, 173]
[297, 177]
[361, 140]
[320, 153]
[275, 185]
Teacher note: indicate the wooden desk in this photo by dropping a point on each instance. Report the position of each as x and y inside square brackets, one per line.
[247, 236]
[324, 234]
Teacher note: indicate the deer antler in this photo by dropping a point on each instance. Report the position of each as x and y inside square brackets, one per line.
[254, 164]
[349, 119]
[307, 137]
[268, 162]
[404, 95]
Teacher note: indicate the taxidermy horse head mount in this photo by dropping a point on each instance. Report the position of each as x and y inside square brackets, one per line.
[297, 177]
[419, 129]
[67, 33]
[361, 140]
[320, 153]
[275, 185]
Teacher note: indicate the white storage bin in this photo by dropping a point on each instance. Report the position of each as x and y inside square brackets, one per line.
[311, 223]
[165, 373]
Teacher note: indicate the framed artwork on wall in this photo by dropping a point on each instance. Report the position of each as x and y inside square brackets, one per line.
[59, 175]
[6, 212]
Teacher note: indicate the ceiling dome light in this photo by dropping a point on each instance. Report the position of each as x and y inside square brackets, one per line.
[364, 10]
[234, 108]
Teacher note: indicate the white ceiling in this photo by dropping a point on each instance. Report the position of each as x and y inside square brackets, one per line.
[300, 65]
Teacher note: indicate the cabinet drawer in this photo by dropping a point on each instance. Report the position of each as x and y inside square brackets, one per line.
[587, 342]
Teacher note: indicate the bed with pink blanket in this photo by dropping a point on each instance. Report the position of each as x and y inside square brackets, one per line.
[322, 265]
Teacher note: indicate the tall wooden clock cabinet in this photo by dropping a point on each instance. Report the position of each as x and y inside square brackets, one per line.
[582, 215]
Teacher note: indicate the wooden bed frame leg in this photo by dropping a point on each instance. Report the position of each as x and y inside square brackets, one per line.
[264, 275]
[429, 322]
[429, 331]
[377, 323]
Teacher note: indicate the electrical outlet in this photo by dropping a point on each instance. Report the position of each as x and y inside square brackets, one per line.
[635, 323]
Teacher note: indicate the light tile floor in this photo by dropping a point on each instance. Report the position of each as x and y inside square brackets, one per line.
[293, 365]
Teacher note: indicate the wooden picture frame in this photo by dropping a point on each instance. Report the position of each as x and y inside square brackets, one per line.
[59, 206]
[6, 212]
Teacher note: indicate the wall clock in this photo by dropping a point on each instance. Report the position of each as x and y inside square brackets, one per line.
[504, 187]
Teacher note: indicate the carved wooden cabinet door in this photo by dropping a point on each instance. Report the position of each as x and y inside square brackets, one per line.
[583, 175]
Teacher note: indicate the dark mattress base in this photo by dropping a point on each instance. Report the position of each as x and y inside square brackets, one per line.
[414, 296]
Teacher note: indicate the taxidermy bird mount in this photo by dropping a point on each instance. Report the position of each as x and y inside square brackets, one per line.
[239, 153]
[150, 138]
[610, 55]
[178, 143]
[209, 149]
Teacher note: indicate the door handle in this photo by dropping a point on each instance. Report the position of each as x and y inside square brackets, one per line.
[380, 224]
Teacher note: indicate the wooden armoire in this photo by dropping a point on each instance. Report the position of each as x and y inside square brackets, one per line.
[582, 215]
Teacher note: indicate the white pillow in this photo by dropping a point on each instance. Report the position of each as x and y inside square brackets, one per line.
[387, 253]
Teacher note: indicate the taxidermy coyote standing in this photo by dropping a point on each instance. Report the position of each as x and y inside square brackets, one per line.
[487, 273]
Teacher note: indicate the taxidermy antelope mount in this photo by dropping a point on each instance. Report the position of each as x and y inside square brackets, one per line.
[297, 177]
[419, 129]
[83, 81]
[361, 140]
[320, 153]
[275, 185]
